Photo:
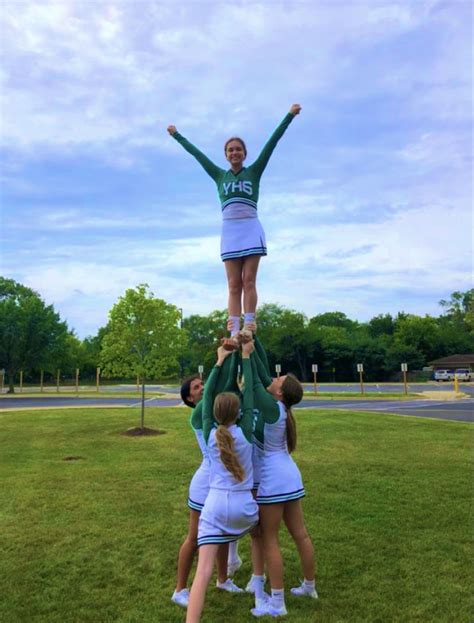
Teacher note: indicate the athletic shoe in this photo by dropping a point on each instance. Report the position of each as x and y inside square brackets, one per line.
[250, 588]
[181, 598]
[229, 586]
[265, 608]
[302, 590]
[234, 566]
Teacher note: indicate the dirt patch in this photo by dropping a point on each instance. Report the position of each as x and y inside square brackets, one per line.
[443, 395]
[73, 458]
[146, 432]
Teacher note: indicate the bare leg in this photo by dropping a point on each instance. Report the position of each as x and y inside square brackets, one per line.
[207, 556]
[233, 269]
[270, 519]
[258, 566]
[249, 280]
[222, 556]
[293, 518]
[187, 551]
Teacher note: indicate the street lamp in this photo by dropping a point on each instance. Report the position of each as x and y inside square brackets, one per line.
[179, 358]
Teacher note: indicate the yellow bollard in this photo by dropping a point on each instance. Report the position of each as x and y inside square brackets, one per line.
[456, 384]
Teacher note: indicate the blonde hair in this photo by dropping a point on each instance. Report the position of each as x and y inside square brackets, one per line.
[292, 393]
[226, 410]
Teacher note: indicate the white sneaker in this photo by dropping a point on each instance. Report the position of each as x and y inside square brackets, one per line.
[302, 590]
[229, 586]
[265, 608]
[234, 566]
[181, 598]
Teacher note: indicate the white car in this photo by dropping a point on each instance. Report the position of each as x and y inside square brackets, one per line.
[444, 375]
[463, 374]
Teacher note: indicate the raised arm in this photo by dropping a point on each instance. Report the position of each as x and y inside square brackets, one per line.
[209, 393]
[211, 169]
[262, 363]
[263, 401]
[259, 165]
[246, 421]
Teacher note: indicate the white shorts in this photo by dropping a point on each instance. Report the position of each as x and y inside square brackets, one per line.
[241, 237]
[226, 516]
[199, 486]
[280, 479]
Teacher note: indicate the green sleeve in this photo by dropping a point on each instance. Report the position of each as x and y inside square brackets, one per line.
[196, 416]
[262, 366]
[246, 421]
[263, 401]
[211, 169]
[230, 373]
[262, 355]
[259, 165]
[208, 402]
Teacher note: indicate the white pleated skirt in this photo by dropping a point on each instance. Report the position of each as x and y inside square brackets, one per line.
[241, 237]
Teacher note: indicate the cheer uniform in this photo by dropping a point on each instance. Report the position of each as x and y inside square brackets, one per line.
[280, 478]
[230, 510]
[223, 379]
[242, 233]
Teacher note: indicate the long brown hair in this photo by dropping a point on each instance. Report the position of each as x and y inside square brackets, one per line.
[292, 393]
[226, 410]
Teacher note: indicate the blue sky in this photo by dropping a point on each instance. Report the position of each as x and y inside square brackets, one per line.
[366, 202]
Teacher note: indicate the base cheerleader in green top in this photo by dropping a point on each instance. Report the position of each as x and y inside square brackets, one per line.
[242, 239]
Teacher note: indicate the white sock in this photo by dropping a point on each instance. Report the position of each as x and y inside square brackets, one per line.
[278, 597]
[235, 323]
[233, 551]
[249, 317]
[258, 582]
[309, 585]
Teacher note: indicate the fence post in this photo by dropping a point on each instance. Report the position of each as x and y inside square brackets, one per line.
[57, 380]
[360, 370]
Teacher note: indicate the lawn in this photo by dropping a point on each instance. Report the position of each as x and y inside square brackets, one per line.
[95, 539]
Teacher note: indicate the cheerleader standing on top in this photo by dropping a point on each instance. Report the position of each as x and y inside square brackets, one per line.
[242, 238]
[230, 510]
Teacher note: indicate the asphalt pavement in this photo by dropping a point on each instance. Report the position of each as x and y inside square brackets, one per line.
[457, 410]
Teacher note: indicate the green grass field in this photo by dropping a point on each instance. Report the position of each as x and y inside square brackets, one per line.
[96, 539]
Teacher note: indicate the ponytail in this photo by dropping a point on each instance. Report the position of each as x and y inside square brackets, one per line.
[225, 443]
[290, 430]
[226, 410]
[292, 393]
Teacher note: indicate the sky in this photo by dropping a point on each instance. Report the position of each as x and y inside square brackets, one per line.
[366, 201]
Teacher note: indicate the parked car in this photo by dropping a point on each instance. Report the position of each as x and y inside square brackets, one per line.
[444, 375]
[464, 374]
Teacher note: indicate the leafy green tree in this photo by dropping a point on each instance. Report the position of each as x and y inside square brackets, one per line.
[31, 332]
[203, 334]
[143, 338]
[460, 308]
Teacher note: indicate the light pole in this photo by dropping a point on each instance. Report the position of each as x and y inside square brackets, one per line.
[179, 358]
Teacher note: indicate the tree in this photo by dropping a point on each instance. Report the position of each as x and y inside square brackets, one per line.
[143, 338]
[31, 332]
[460, 309]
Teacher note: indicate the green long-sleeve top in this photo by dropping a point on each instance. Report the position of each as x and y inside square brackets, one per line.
[246, 420]
[242, 187]
[224, 379]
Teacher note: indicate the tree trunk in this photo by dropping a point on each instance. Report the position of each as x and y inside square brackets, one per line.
[143, 405]
[11, 381]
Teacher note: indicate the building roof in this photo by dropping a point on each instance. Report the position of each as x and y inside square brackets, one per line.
[454, 360]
